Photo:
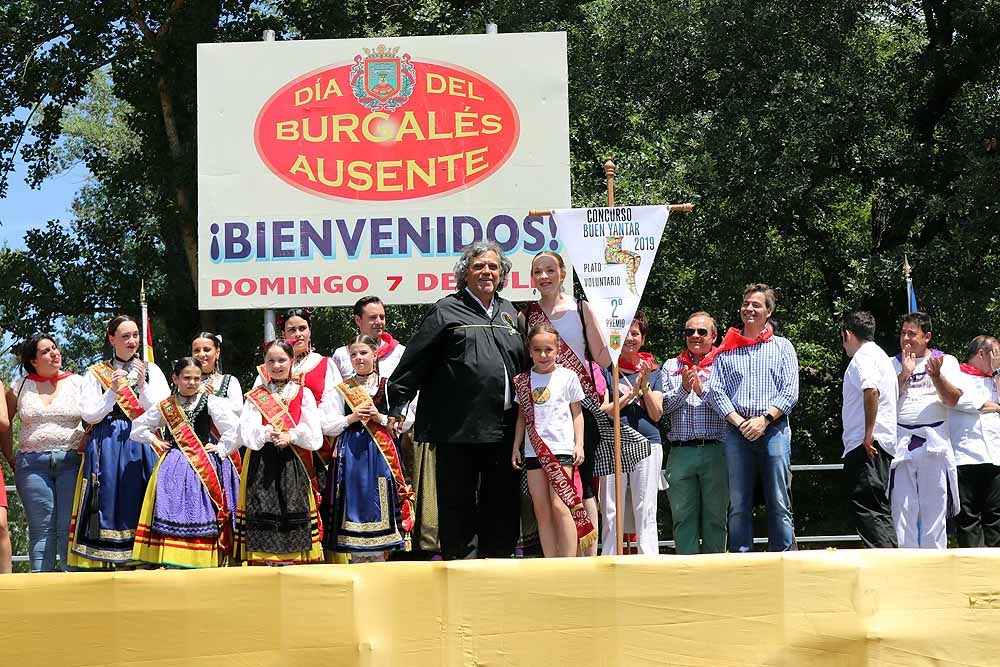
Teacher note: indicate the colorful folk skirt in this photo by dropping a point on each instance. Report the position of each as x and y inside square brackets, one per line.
[363, 513]
[277, 520]
[179, 523]
[110, 489]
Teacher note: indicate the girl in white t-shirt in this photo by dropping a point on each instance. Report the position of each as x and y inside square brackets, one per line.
[557, 417]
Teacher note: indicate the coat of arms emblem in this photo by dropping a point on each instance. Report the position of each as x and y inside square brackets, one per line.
[382, 81]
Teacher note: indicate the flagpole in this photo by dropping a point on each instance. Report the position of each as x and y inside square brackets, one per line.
[911, 301]
[270, 318]
[609, 171]
[145, 321]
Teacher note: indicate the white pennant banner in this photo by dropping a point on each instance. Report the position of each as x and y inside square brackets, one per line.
[612, 251]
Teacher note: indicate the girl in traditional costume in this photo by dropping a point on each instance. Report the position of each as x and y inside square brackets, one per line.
[583, 349]
[207, 349]
[115, 469]
[371, 504]
[551, 416]
[187, 517]
[318, 374]
[277, 520]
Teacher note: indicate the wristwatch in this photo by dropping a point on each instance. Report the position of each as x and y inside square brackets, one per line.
[996, 372]
[768, 417]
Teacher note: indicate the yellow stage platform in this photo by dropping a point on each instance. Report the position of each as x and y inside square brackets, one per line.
[807, 608]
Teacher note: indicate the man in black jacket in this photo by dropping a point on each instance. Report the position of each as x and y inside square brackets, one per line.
[463, 359]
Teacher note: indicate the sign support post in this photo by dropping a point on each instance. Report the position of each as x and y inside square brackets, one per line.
[609, 172]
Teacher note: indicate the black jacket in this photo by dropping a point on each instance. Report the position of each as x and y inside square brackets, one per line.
[456, 360]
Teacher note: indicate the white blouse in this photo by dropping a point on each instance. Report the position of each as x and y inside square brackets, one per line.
[254, 434]
[332, 379]
[52, 427]
[96, 403]
[226, 420]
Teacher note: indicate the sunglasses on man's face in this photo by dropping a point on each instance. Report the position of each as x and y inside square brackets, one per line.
[690, 332]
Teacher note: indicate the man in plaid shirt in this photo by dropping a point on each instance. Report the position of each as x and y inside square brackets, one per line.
[696, 465]
[755, 384]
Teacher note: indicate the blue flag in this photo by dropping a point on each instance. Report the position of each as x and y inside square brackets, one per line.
[911, 297]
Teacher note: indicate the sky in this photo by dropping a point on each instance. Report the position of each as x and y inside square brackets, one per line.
[24, 208]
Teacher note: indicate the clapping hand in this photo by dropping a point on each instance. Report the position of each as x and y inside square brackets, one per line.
[909, 360]
[118, 381]
[934, 366]
[140, 368]
[691, 380]
[688, 377]
[643, 378]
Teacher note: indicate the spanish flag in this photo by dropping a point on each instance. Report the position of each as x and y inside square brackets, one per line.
[147, 348]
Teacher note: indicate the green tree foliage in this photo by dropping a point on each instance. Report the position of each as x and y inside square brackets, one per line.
[819, 142]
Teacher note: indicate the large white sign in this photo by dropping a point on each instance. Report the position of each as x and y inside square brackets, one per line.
[612, 250]
[331, 169]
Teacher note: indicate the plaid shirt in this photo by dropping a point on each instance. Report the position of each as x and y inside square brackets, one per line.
[749, 380]
[691, 418]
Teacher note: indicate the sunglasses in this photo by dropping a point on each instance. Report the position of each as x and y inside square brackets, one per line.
[691, 332]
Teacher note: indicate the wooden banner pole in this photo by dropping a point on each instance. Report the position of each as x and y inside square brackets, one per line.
[609, 172]
[674, 208]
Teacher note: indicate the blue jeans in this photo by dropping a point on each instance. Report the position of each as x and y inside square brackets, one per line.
[771, 455]
[46, 482]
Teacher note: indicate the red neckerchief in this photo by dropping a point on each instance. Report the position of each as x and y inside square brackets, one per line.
[34, 377]
[386, 345]
[735, 340]
[645, 360]
[687, 361]
[972, 370]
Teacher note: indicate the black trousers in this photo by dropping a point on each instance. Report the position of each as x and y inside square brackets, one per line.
[478, 495]
[867, 480]
[978, 521]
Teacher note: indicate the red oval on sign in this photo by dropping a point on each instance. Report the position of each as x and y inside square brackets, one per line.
[387, 128]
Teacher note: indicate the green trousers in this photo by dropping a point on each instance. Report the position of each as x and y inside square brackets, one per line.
[699, 497]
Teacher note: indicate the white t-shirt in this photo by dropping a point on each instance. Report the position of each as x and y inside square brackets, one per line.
[919, 403]
[552, 393]
[975, 436]
[870, 368]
